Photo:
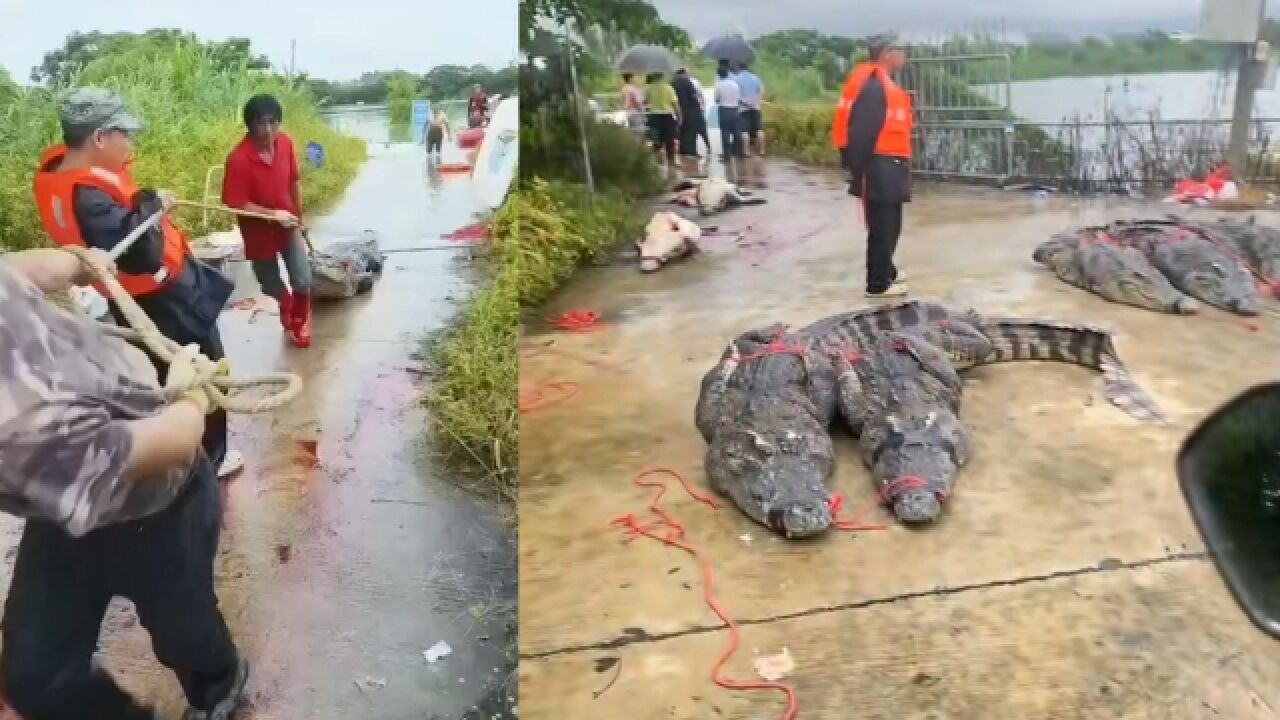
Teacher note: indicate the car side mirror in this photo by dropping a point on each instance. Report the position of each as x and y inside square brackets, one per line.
[1229, 471]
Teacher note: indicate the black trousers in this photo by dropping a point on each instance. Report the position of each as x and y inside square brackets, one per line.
[884, 226]
[693, 127]
[60, 591]
[664, 134]
[731, 132]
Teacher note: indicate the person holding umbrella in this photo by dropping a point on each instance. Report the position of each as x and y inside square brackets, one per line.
[872, 127]
[694, 121]
[728, 100]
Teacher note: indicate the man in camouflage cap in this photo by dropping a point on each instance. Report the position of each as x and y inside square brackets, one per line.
[86, 109]
[87, 197]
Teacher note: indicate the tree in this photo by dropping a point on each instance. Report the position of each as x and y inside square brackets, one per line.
[634, 18]
[60, 66]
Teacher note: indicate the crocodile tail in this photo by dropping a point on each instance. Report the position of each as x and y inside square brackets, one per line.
[1015, 340]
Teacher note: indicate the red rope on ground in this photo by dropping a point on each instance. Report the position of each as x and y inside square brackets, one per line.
[579, 321]
[473, 232]
[674, 536]
[670, 531]
[544, 395]
[855, 520]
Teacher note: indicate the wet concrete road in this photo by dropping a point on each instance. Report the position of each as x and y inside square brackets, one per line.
[1065, 580]
[346, 553]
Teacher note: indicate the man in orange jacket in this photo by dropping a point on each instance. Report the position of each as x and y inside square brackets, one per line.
[872, 130]
[87, 198]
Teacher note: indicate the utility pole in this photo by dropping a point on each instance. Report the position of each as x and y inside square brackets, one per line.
[293, 56]
[1249, 71]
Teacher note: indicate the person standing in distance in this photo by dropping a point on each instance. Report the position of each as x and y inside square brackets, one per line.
[728, 99]
[263, 177]
[873, 128]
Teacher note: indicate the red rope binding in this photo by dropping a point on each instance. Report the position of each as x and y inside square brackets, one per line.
[673, 534]
[579, 321]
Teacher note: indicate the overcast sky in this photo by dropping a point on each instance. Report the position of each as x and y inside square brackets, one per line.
[707, 18]
[337, 39]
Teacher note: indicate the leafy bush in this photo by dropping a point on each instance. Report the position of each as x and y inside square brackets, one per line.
[551, 148]
[191, 100]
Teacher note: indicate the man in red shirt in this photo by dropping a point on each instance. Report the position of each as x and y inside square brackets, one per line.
[262, 176]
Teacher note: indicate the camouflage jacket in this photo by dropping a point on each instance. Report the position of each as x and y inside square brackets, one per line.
[67, 391]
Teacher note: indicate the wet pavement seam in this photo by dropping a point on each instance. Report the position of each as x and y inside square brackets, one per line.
[637, 636]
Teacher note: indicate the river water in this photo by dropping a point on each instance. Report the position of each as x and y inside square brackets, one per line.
[1175, 96]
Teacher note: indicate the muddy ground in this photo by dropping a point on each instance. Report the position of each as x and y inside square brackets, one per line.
[346, 550]
[1066, 579]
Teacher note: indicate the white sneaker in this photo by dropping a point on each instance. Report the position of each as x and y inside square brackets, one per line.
[898, 289]
[232, 463]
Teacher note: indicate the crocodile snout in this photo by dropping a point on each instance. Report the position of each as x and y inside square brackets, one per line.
[1245, 306]
[801, 519]
[918, 505]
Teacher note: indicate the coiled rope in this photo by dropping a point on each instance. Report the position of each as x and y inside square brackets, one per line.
[210, 376]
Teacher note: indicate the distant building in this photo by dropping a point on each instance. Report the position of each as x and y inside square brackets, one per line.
[1180, 36]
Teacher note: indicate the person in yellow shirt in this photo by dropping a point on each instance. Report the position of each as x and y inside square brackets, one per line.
[664, 115]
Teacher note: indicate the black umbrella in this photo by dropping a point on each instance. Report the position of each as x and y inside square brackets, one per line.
[645, 59]
[733, 48]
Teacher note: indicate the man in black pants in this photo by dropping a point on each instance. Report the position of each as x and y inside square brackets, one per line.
[695, 122]
[120, 500]
[728, 97]
[878, 158]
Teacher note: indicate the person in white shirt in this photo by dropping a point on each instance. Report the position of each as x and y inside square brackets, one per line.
[728, 97]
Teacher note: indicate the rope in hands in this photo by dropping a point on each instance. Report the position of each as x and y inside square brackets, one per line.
[205, 377]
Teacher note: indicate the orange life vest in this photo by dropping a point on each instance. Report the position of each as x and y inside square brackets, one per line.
[55, 191]
[895, 136]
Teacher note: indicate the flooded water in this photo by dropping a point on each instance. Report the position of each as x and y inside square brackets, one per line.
[1175, 96]
[347, 553]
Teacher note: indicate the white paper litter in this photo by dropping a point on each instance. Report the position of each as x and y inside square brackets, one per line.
[775, 667]
[437, 651]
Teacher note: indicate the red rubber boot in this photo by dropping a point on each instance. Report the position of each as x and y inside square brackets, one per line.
[285, 301]
[302, 320]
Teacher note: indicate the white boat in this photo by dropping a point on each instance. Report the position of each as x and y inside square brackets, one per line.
[494, 166]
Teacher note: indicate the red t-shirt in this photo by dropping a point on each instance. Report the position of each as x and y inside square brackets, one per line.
[250, 179]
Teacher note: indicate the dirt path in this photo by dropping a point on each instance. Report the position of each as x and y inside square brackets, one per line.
[345, 552]
[1066, 579]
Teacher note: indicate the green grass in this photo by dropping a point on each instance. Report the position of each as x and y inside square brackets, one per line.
[191, 104]
[473, 401]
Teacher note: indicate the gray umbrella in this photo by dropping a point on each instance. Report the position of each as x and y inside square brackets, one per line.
[729, 47]
[645, 59]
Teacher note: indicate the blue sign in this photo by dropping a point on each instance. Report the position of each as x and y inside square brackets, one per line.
[315, 154]
[421, 113]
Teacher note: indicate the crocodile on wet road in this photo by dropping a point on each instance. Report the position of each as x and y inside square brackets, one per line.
[766, 408]
[1126, 261]
[1092, 260]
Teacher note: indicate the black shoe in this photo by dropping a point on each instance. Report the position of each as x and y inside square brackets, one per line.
[226, 707]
